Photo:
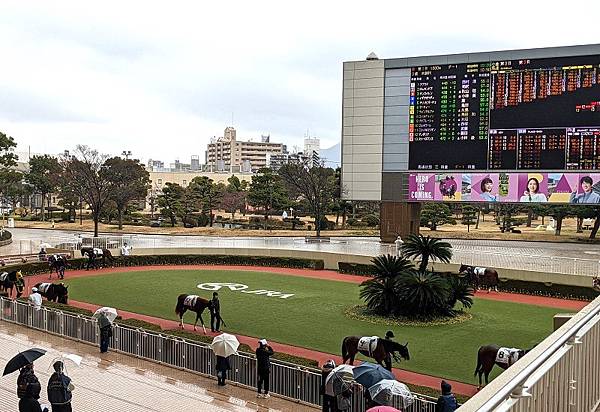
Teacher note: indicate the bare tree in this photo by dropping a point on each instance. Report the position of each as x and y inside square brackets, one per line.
[89, 180]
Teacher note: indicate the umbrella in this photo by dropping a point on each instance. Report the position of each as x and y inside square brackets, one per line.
[22, 359]
[225, 345]
[338, 379]
[383, 409]
[76, 359]
[383, 391]
[109, 313]
[45, 245]
[368, 374]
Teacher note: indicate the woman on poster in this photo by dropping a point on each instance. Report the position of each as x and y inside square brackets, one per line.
[532, 194]
[486, 190]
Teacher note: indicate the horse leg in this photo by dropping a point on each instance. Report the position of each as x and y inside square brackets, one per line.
[202, 322]
[352, 359]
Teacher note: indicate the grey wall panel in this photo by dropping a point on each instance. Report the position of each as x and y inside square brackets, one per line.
[395, 147]
[396, 120]
[402, 100]
[400, 110]
[391, 73]
[394, 186]
[397, 81]
[400, 91]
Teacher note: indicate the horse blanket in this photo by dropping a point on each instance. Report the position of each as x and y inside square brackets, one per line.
[3, 276]
[507, 355]
[190, 301]
[97, 251]
[368, 344]
[43, 288]
[479, 271]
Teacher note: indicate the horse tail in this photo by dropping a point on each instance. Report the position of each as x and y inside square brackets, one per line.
[179, 306]
[344, 349]
[479, 367]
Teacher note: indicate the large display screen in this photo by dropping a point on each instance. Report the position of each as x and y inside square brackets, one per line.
[527, 115]
[574, 188]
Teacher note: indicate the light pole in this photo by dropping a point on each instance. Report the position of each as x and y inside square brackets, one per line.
[126, 153]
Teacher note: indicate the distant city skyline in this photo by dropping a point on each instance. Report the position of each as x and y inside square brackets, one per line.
[162, 80]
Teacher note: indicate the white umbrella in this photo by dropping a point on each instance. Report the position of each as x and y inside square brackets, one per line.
[45, 245]
[76, 359]
[110, 313]
[383, 391]
[340, 374]
[225, 345]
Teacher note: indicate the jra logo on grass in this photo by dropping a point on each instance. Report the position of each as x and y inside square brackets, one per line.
[239, 287]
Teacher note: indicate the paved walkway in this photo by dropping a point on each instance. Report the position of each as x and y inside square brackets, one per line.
[321, 357]
[116, 382]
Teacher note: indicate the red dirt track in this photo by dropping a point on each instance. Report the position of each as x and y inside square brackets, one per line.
[321, 357]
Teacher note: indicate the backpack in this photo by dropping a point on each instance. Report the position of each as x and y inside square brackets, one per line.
[57, 389]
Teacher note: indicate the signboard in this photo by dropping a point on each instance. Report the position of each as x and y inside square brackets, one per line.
[574, 188]
[519, 115]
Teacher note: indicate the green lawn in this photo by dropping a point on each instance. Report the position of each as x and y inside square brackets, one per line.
[314, 318]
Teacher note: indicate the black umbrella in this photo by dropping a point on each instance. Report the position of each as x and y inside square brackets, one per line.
[22, 359]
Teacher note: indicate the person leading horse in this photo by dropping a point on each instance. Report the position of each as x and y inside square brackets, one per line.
[481, 277]
[194, 303]
[382, 350]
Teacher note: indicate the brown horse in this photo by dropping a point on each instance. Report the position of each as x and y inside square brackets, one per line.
[54, 292]
[93, 254]
[10, 280]
[382, 353]
[194, 303]
[481, 277]
[486, 359]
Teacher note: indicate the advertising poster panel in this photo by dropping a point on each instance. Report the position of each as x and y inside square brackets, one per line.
[574, 188]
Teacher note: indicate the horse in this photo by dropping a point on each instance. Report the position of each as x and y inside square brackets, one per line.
[10, 280]
[488, 356]
[596, 283]
[383, 352]
[479, 276]
[57, 263]
[194, 303]
[54, 292]
[93, 253]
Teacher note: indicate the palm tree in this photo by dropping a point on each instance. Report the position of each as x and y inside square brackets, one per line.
[380, 295]
[426, 248]
[460, 291]
[390, 266]
[423, 294]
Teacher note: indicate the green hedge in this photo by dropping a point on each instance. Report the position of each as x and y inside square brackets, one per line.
[34, 268]
[141, 324]
[356, 269]
[5, 235]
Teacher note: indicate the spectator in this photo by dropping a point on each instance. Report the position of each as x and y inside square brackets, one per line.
[446, 402]
[215, 313]
[35, 298]
[222, 367]
[42, 254]
[328, 400]
[263, 365]
[125, 249]
[59, 389]
[105, 332]
[28, 390]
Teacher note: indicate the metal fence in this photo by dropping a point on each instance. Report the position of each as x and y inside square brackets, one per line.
[288, 380]
[559, 374]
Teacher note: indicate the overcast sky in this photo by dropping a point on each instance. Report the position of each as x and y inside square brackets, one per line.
[161, 78]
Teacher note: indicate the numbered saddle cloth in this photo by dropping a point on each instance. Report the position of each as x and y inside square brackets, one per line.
[368, 344]
[507, 355]
[97, 251]
[43, 287]
[190, 301]
[479, 271]
[3, 276]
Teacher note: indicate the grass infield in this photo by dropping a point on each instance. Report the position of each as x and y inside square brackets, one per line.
[314, 316]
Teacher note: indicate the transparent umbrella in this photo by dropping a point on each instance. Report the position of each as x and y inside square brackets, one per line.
[339, 378]
[110, 313]
[383, 392]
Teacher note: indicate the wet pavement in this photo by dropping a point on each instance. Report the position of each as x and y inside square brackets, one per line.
[116, 382]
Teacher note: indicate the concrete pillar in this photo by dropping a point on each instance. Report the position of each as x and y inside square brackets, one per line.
[561, 318]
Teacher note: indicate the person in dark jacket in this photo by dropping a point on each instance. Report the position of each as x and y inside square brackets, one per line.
[263, 367]
[328, 400]
[446, 402]
[222, 367]
[28, 390]
[215, 313]
[59, 389]
[105, 332]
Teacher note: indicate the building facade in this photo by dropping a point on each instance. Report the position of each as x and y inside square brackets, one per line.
[227, 154]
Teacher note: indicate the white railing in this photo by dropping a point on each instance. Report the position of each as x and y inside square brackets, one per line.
[562, 373]
[288, 380]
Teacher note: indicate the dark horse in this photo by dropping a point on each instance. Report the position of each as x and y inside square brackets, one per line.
[94, 253]
[486, 359]
[10, 280]
[194, 303]
[54, 292]
[58, 264]
[481, 277]
[383, 352]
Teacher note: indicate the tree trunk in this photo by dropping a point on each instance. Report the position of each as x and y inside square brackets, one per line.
[478, 215]
[120, 219]
[210, 217]
[173, 221]
[529, 217]
[596, 225]
[96, 220]
[337, 217]
[43, 207]
[543, 217]
[579, 225]
[344, 218]
[558, 226]
[266, 217]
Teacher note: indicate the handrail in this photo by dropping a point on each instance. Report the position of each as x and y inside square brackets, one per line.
[567, 336]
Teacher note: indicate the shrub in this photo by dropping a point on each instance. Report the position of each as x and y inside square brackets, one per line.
[351, 221]
[5, 235]
[203, 220]
[356, 269]
[371, 220]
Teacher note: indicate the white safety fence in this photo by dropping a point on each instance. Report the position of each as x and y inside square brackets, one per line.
[562, 373]
[288, 380]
